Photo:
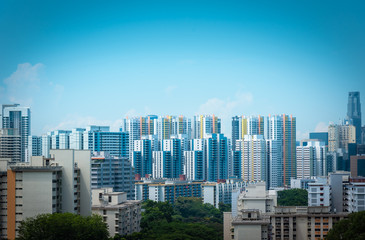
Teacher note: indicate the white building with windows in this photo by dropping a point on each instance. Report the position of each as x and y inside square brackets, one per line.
[122, 216]
[319, 194]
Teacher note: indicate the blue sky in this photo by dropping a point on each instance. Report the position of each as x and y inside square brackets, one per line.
[95, 62]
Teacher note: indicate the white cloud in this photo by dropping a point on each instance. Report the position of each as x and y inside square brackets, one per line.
[321, 127]
[21, 85]
[302, 135]
[225, 108]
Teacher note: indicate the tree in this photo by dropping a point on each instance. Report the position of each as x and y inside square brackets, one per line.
[155, 212]
[63, 226]
[293, 197]
[351, 228]
[193, 210]
[187, 219]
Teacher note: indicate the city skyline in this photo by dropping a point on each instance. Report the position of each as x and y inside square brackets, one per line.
[87, 63]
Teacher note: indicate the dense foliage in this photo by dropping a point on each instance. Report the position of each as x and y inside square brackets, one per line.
[351, 228]
[293, 197]
[63, 226]
[188, 218]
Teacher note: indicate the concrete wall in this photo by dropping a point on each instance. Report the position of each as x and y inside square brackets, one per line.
[65, 158]
[37, 193]
[83, 160]
[249, 232]
[209, 195]
[227, 225]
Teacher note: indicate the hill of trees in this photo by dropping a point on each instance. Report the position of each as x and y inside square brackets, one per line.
[63, 226]
[293, 197]
[188, 218]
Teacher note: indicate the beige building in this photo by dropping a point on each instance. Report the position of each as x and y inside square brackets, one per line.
[250, 224]
[256, 197]
[10, 144]
[45, 185]
[339, 136]
[303, 223]
[248, 217]
[122, 216]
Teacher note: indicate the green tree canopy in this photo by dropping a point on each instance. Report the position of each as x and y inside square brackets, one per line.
[351, 228]
[63, 226]
[188, 219]
[193, 210]
[293, 197]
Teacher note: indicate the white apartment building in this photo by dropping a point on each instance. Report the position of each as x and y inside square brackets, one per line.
[214, 193]
[122, 216]
[14, 116]
[254, 158]
[319, 194]
[256, 197]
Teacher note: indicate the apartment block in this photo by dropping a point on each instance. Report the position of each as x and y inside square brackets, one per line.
[122, 216]
[10, 144]
[303, 223]
[221, 192]
[45, 185]
[162, 190]
[112, 172]
[319, 194]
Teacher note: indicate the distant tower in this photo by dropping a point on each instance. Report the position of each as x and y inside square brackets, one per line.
[354, 113]
[15, 116]
[283, 129]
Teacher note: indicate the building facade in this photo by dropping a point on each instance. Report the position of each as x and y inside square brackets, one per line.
[122, 216]
[15, 116]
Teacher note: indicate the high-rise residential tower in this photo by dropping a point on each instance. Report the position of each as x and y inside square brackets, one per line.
[283, 129]
[243, 125]
[14, 116]
[203, 125]
[254, 158]
[354, 113]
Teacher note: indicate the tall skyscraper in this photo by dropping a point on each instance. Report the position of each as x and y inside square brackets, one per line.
[100, 139]
[339, 136]
[194, 167]
[283, 129]
[77, 138]
[115, 172]
[34, 147]
[14, 116]
[133, 127]
[216, 147]
[254, 158]
[243, 125]
[275, 163]
[354, 113]
[10, 144]
[181, 125]
[203, 125]
[142, 157]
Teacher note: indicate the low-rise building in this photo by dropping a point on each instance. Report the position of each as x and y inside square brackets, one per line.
[221, 192]
[122, 216]
[44, 185]
[257, 197]
[303, 223]
[162, 190]
[250, 224]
